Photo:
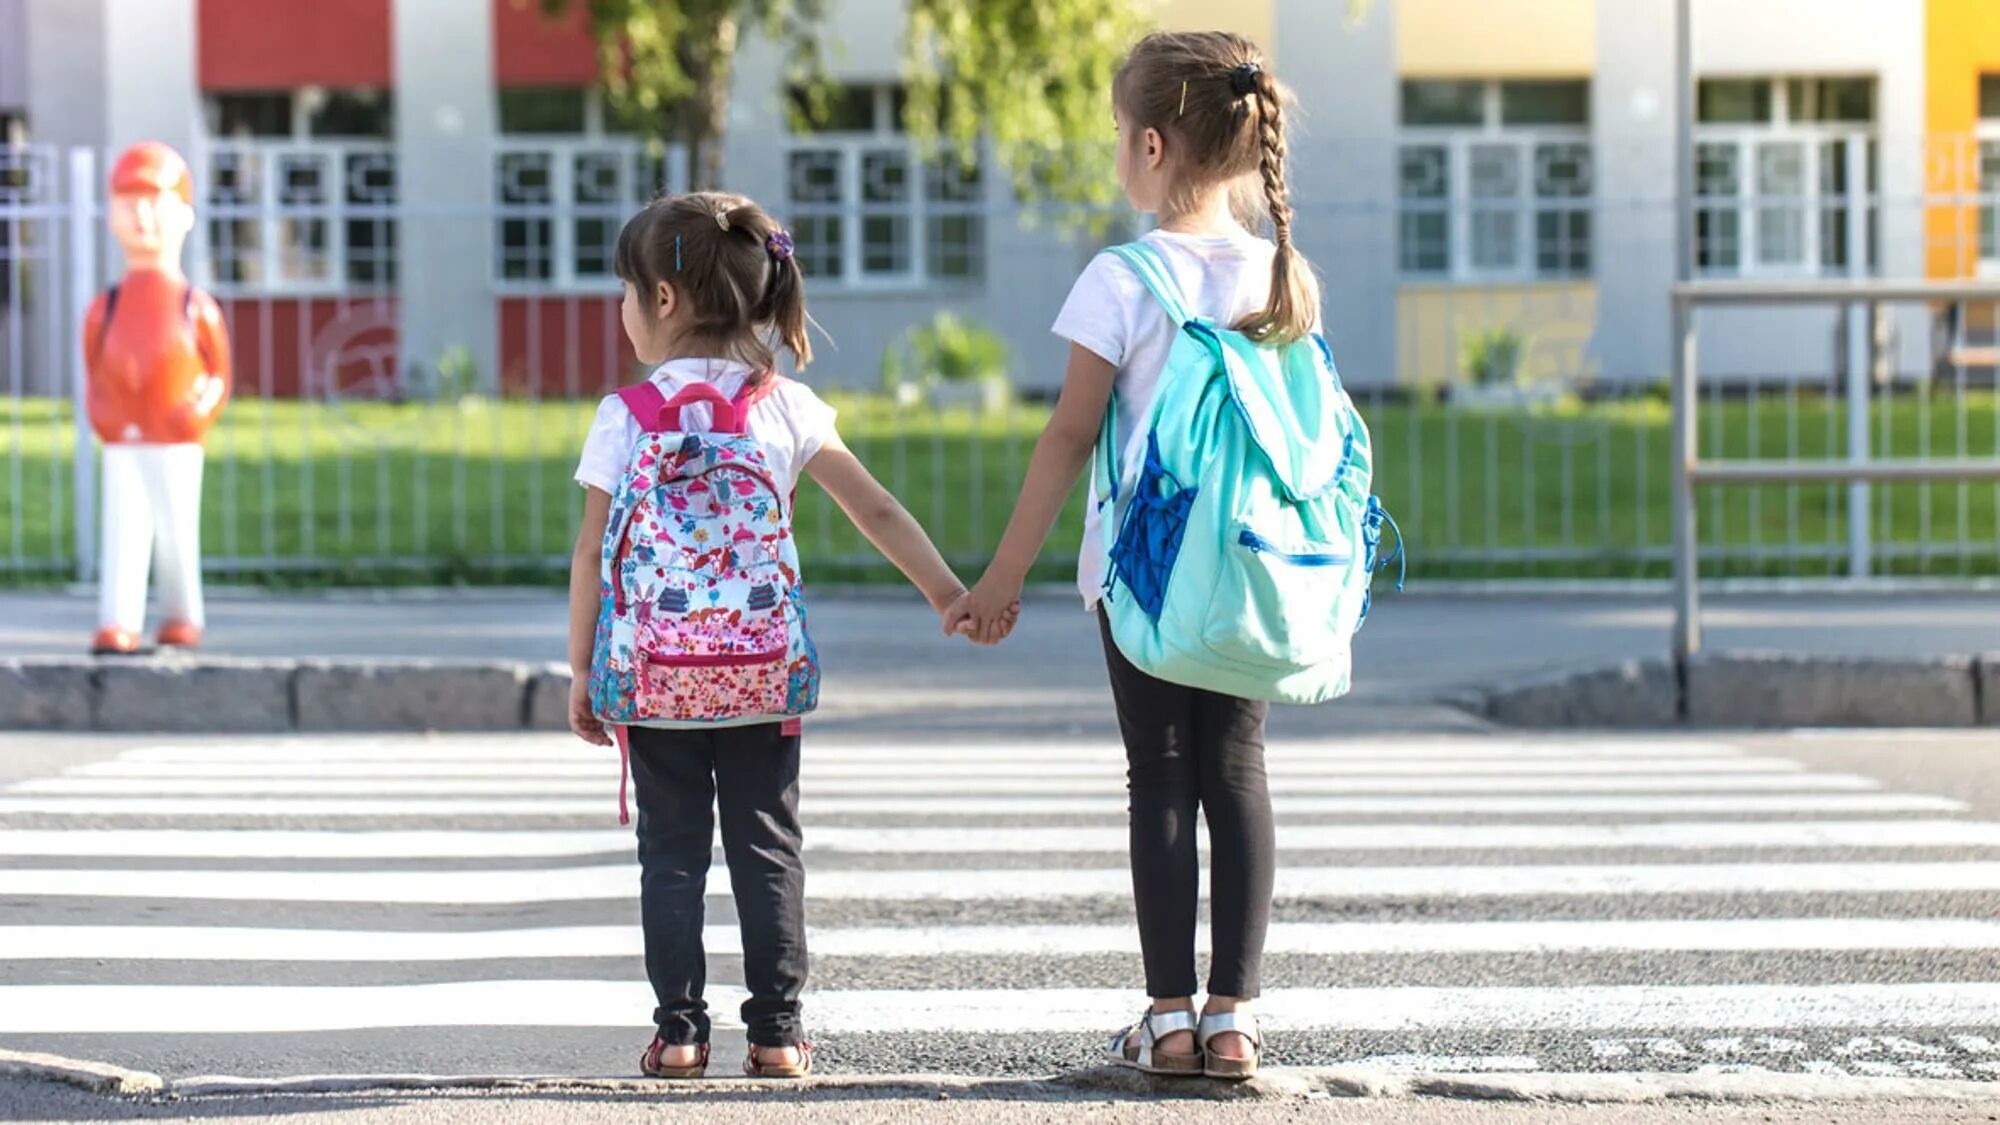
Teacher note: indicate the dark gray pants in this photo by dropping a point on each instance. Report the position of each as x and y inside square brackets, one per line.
[752, 775]
[1186, 748]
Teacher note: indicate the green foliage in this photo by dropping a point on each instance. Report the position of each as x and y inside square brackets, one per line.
[947, 350]
[1031, 79]
[673, 62]
[1492, 357]
[1034, 79]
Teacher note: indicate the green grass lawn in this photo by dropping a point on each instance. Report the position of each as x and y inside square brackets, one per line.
[317, 494]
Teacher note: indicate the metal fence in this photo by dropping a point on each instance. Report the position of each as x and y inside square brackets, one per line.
[414, 380]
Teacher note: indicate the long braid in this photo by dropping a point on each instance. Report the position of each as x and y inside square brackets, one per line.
[1287, 315]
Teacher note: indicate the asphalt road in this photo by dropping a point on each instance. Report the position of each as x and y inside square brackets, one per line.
[1811, 903]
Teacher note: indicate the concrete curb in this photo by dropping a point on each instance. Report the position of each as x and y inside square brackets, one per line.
[98, 1078]
[182, 694]
[1274, 1084]
[1737, 690]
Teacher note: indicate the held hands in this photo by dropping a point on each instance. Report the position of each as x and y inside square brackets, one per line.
[987, 614]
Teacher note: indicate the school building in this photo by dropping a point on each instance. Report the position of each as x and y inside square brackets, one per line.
[385, 182]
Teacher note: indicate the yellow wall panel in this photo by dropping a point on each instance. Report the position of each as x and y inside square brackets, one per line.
[1433, 323]
[1496, 38]
[1962, 43]
[1252, 19]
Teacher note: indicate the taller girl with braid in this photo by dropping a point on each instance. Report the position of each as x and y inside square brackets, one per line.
[1199, 116]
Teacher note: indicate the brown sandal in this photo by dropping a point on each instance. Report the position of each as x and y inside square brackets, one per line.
[651, 1066]
[799, 1069]
[1221, 1066]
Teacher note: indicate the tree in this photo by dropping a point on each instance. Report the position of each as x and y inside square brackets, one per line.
[672, 61]
[1032, 76]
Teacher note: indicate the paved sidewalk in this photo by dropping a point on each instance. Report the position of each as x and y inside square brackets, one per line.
[885, 659]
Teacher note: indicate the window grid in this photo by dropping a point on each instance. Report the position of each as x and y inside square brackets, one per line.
[1784, 198]
[561, 204]
[1495, 202]
[867, 210]
[301, 217]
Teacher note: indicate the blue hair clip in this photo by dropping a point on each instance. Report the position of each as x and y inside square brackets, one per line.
[677, 253]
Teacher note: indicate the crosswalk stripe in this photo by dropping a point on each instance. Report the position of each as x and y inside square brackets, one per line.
[943, 766]
[192, 1009]
[595, 779]
[621, 881]
[1032, 804]
[432, 844]
[565, 749]
[206, 943]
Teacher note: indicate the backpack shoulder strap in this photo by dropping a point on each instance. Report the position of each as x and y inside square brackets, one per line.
[646, 402]
[110, 310]
[1152, 269]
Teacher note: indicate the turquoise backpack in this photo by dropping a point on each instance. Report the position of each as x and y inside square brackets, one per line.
[1242, 541]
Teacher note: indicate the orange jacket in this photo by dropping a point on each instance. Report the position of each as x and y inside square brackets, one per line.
[159, 368]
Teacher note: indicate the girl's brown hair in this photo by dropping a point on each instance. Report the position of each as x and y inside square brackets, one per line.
[1211, 95]
[732, 263]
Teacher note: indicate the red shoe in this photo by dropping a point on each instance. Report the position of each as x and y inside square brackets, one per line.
[113, 642]
[179, 634]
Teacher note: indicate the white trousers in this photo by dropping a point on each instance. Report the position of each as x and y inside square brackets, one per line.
[152, 513]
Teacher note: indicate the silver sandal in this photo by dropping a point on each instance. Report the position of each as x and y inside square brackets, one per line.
[1222, 1023]
[1151, 1027]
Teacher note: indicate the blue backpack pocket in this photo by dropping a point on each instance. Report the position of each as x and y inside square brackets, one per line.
[1149, 539]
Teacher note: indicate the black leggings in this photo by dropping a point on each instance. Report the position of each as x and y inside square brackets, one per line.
[752, 774]
[1185, 747]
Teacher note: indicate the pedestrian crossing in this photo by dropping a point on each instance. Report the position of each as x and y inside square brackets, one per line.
[1464, 902]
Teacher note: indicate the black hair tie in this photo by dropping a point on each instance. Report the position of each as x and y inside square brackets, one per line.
[1243, 80]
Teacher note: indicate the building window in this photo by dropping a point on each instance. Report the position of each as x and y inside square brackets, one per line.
[1989, 174]
[1495, 180]
[867, 208]
[1784, 171]
[301, 191]
[565, 179]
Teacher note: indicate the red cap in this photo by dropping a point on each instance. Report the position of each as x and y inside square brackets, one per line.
[149, 168]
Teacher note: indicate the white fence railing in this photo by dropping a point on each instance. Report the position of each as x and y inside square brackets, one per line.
[353, 452]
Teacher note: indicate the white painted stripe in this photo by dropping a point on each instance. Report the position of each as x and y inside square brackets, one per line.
[594, 777]
[565, 748]
[1452, 837]
[621, 882]
[1109, 803]
[194, 1009]
[427, 844]
[205, 943]
[942, 765]
[552, 806]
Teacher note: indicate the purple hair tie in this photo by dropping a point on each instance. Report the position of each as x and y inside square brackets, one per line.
[780, 245]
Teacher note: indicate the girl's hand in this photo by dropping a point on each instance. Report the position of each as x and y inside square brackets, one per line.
[987, 614]
[582, 720]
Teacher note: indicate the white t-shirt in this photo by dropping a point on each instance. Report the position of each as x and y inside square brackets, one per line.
[1110, 311]
[791, 422]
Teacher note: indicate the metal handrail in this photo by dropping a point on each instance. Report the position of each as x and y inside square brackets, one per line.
[1690, 470]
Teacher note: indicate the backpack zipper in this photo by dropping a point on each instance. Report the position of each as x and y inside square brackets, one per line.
[1259, 545]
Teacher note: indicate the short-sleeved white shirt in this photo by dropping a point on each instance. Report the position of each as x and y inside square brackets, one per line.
[1110, 312]
[792, 423]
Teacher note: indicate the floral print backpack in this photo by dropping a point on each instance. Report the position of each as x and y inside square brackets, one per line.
[701, 615]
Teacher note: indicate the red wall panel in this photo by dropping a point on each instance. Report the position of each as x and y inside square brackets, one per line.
[313, 347]
[283, 44]
[531, 49]
[563, 347]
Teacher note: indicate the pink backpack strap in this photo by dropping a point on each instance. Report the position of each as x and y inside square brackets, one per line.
[646, 403]
[756, 390]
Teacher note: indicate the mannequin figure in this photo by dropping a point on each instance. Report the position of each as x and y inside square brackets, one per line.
[157, 354]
